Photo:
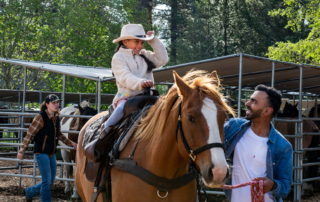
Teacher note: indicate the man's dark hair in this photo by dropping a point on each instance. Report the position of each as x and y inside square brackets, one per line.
[274, 97]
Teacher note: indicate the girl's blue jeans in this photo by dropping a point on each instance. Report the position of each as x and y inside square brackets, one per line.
[48, 168]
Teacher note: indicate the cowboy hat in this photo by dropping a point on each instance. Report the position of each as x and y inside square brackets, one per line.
[133, 31]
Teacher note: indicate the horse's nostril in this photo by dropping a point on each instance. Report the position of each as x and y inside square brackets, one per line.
[210, 174]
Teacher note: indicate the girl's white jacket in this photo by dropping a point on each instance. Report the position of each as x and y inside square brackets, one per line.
[131, 70]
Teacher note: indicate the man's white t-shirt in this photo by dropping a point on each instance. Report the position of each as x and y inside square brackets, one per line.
[249, 162]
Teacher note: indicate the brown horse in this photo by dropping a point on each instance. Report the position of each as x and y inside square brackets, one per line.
[288, 128]
[311, 112]
[75, 124]
[203, 114]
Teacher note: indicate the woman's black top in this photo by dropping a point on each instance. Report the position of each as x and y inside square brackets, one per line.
[46, 139]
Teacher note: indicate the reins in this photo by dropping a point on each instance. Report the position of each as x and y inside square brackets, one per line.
[256, 195]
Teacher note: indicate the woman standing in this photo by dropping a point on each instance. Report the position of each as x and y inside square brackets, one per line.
[45, 130]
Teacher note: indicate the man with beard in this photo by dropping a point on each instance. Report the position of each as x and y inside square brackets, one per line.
[258, 151]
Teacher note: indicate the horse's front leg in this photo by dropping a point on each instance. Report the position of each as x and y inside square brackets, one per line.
[66, 158]
[75, 192]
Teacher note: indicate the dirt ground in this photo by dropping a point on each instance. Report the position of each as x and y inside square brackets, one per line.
[11, 192]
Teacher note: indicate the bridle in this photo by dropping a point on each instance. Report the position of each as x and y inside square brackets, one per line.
[162, 184]
[193, 153]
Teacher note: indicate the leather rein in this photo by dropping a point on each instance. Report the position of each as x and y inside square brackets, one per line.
[162, 184]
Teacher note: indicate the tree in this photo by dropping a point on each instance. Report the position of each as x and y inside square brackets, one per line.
[202, 29]
[299, 14]
[62, 31]
[19, 22]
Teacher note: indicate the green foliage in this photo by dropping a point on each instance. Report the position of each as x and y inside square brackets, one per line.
[299, 14]
[202, 29]
[62, 31]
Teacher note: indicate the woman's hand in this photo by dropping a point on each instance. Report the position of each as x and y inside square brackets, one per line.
[75, 145]
[147, 83]
[20, 156]
[149, 33]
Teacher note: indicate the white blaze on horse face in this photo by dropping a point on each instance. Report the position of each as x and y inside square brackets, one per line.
[219, 171]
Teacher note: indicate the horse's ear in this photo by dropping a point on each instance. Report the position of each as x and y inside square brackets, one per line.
[296, 104]
[182, 86]
[215, 78]
[287, 103]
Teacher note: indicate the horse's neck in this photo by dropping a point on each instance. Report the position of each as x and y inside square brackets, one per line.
[164, 158]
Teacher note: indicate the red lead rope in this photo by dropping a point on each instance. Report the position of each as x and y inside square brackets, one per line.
[256, 196]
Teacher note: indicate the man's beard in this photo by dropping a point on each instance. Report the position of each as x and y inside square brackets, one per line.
[254, 115]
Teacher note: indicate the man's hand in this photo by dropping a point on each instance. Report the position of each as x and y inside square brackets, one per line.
[267, 183]
[75, 145]
[20, 156]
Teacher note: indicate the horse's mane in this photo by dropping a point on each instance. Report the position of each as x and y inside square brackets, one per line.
[75, 123]
[158, 114]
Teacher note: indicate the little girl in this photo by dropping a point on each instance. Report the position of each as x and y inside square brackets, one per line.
[132, 66]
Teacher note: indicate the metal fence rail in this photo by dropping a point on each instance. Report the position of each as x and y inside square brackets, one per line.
[34, 164]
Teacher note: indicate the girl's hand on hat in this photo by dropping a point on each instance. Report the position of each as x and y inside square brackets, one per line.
[150, 33]
[147, 83]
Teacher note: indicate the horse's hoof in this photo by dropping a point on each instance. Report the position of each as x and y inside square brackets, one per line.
[67, 189]
[75, 195]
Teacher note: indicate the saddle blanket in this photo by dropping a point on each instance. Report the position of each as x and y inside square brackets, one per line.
[94, 129]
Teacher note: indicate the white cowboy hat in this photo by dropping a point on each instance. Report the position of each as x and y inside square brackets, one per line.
[133, 31]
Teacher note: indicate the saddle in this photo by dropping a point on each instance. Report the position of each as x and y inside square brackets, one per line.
[96, 151]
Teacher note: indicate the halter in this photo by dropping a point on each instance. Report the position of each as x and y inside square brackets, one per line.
[193, 153]
[162, 184]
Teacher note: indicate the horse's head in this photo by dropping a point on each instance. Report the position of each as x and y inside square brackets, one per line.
[290, 110]
[203, 113]
[86, 111]
[83, 109]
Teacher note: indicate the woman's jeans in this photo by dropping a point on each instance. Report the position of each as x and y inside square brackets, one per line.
[48, 168]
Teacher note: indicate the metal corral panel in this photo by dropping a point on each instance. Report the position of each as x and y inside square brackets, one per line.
[93, 73]
[255, 70]
[8, 95]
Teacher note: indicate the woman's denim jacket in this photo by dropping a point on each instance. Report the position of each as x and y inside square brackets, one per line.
[279, 156]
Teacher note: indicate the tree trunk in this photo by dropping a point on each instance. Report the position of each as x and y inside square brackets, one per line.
[148, 4]
[174, 30]
[225, 25]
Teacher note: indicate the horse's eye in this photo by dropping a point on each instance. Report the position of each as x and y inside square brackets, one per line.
[191, 119]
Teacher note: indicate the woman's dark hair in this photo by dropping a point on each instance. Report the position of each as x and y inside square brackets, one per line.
[150, 64]
[43, 106]
[274, 97]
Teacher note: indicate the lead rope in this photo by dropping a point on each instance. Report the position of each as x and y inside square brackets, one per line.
[256, 195]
